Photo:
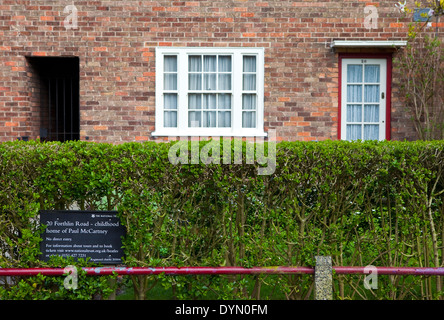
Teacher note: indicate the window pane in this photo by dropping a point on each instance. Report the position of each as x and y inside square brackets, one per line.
[249, 101]
[371, 93]
[209, 119]
[224, 81]
[195, 81]
[209, 101]
[170, 64]
[371, 113]
[170, 101]
[249, 82]
[170, 81]
[170, 119]
[249, 64]
[371, 132]
[194, 118]
[224, 119]
[372, 73]
[354, 132]
[224, 101]
[354, 93]
[248, 119]
[354, 113]
[195, 63]
[354, 73]
[194, 101]
[210, 63]
[209, 81]
[224, 63]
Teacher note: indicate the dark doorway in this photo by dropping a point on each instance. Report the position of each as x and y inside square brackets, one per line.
[58, 79]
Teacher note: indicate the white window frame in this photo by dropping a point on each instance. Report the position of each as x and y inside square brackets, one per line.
[383, 92]
[182, 91]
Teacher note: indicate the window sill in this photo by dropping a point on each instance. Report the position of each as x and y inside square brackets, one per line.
[206, 133]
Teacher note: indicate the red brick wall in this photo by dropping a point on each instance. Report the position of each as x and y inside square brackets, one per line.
[116, 41]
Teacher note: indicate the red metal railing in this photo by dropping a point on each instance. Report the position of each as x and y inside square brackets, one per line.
[97, 271]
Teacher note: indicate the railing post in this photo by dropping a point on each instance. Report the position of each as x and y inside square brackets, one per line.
[323, 278]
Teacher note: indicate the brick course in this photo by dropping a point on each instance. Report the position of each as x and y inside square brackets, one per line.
[115, 42]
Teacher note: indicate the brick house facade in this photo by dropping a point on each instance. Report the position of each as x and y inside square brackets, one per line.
[116, 93]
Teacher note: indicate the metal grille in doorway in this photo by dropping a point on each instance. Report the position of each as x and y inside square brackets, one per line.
[59, 109]
[57, 79]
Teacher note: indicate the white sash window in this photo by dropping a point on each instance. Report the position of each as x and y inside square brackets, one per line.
[209, 92]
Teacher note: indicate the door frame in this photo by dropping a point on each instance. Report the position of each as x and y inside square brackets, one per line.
[388, 91]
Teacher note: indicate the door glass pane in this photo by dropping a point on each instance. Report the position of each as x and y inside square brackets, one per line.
[354, 113]
[354, 93]
[371, 132]
[371, 73]
[353, 132]
[371, 113]
[354, 73]
[371, 93]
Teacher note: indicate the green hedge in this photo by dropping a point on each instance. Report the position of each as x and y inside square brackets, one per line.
[363, 203]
